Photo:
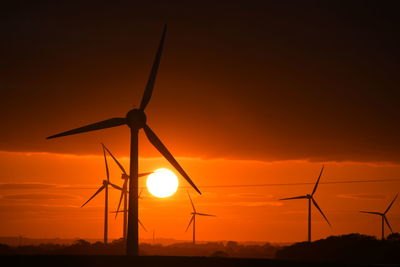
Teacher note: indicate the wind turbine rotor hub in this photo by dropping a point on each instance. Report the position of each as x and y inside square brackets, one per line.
[125, 176]
[136, 118]
[105, 182]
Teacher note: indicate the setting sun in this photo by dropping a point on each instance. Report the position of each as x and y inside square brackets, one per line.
[212, 133]
[162, 183]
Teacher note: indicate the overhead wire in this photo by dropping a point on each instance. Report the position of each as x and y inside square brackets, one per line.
[264, 184]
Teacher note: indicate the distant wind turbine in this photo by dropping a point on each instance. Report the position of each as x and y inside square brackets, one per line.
[124, 192]
[383, 216]
[141, 224]
[311, 199]
[136, 120]
[193, 219]
[104, 186]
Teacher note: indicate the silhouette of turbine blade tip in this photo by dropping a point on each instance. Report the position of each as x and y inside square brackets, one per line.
[205, 214]
[153, 73]
[317, 183]
[113, 122]
[390, 205]
[320, 210]
[290, 198]
[157, 143]
[371, 212]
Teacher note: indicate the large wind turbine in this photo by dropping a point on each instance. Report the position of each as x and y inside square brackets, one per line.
[124, 192]
[193, 219]
[383, 216]
[104, 186]
[136, 120]
[310, 198]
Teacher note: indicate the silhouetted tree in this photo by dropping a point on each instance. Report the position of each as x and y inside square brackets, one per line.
[219, 254]
[352, 248]
[394, 237]
[83, 247]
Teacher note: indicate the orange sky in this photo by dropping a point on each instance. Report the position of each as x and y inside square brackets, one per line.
[245, 213]
[246, 94]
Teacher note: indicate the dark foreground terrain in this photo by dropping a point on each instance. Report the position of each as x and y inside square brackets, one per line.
[161, 261]
[345, 250]
[352, 248]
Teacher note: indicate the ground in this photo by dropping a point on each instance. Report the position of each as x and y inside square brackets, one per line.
[164, 261]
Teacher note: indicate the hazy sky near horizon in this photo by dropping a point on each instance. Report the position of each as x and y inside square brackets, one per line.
[45, 195]
[247, 92]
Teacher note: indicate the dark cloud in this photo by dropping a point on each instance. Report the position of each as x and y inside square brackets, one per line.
[244, 204]
[249, 196]
[37, 196]
[22, 186]
[41, 186]
[247, 80]
[363, 196]
[18, 207]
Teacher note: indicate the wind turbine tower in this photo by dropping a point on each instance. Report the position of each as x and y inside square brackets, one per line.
[193, 219]
[136, 120]
[310, 198]
[383, 217]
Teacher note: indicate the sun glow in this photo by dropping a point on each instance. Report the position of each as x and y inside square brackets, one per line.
[162, 183]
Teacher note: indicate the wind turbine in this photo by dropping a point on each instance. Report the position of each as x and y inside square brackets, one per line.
[136, 120]
[140, 223]
[104, 186]
[310, 198]
[193, 219]
[124, 192]
[383, 216]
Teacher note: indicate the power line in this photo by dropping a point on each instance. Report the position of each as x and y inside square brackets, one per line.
[62, 187]
[298, 183]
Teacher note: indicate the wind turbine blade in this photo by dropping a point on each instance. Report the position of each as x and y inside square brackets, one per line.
[141, 224]
[205, 214]
[115, 159]
[391, 203]
[319, 209]
[387, 222]
[190, 222]
[117, 211]
[122, 195]
[92, 127]
[119, 204]
[289, 198]
[371, 212]
[153, 73]
[140, 193]
[194, 209]
[116, 186]
[105, 162]
[95, 194]
[316, 184]
[164, 151]
[144, 174]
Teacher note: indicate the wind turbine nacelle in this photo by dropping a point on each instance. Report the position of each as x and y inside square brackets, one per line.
[105, 182]
[136, 118]
[125, 176]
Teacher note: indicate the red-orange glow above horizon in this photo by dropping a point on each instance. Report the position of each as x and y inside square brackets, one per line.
[45, 196]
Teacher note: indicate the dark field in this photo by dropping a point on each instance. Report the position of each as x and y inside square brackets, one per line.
[162, 261]
[345, 250]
